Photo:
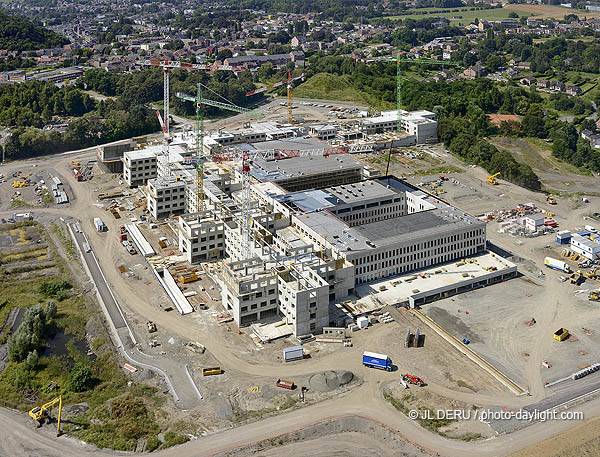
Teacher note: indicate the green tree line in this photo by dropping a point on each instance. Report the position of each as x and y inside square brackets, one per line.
[33, 103]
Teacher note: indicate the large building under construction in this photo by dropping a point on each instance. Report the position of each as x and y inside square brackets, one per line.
[297, 228]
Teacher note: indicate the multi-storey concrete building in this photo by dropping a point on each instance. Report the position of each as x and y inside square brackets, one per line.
[166, 197]
[312, 247]
[139, 166]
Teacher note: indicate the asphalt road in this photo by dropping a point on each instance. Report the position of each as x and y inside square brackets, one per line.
[184, 391]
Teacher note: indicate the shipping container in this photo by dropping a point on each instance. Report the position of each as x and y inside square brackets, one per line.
[293, 353]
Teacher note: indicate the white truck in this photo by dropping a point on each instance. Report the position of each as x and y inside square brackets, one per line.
[100, 227]
[590, 228]
[557, 264]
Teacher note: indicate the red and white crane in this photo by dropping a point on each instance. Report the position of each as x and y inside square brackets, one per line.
[168, 66]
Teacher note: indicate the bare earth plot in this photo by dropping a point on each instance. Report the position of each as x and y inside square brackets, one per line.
[554, 174]
[581, 441]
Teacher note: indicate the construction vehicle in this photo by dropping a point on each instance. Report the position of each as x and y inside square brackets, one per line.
[151, 326]
[39, 413]
[492, 179]
[575, 257]
[551, 200]
[561, 334]
[122, 234]
[593, 273]
[594, 295]
[212, 371]
[412, 379]
[189, 277]
[17, 184]
[75, 164]
[577, 278]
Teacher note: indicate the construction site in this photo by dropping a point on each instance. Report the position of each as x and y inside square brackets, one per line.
[267, 266]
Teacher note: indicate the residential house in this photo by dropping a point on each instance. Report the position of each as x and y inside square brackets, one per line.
[573, 90]
[592, 137]
[298, 41]
[528, 81]
[484, 25]
[557, 86]
[524, 66]
[475, 71]
[542, 83]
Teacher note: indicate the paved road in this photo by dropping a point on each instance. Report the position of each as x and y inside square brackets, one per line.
[182, 387]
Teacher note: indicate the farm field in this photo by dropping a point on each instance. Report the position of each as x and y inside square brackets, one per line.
[466, 15]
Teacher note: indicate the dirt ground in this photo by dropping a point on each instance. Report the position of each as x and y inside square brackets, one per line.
[348, 437]
[581, 441]
[422, 399]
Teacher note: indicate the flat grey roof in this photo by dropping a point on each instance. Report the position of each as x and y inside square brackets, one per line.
[308, 201]
[294, 167]
[396, 229]
[295, 143]
[360, 191]
[383, 233]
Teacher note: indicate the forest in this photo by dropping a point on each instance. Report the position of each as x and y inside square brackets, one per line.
[126, 114]
[20, 34]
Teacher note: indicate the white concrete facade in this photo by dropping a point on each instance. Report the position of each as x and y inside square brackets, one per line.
[139, 167]
[166, 197]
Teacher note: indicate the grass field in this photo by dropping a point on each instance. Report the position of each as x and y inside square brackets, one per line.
[537, 154]
[465, 16]
[551, 12]
[333, 87]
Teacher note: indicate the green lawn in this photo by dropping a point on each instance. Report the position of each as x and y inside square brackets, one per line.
[333, 87]
[463, 17]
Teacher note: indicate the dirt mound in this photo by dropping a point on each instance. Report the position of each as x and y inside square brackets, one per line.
[327, 381]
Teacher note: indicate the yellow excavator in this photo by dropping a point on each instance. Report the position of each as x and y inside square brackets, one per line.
[39, 413]
[551, 200]
[492, 179]
[594, 295]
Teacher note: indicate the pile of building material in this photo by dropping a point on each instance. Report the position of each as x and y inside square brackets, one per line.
[328, 381]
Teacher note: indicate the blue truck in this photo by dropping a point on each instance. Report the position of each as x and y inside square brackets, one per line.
[374, 360]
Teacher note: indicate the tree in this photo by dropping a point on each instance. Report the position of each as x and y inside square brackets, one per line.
[55, 288]
[175, 45]
[224, 54]
[533, 122]
[81, 378]
[32, 360]
[30, 335]
[50, 309]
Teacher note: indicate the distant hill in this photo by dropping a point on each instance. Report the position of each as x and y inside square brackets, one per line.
[20, 34]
